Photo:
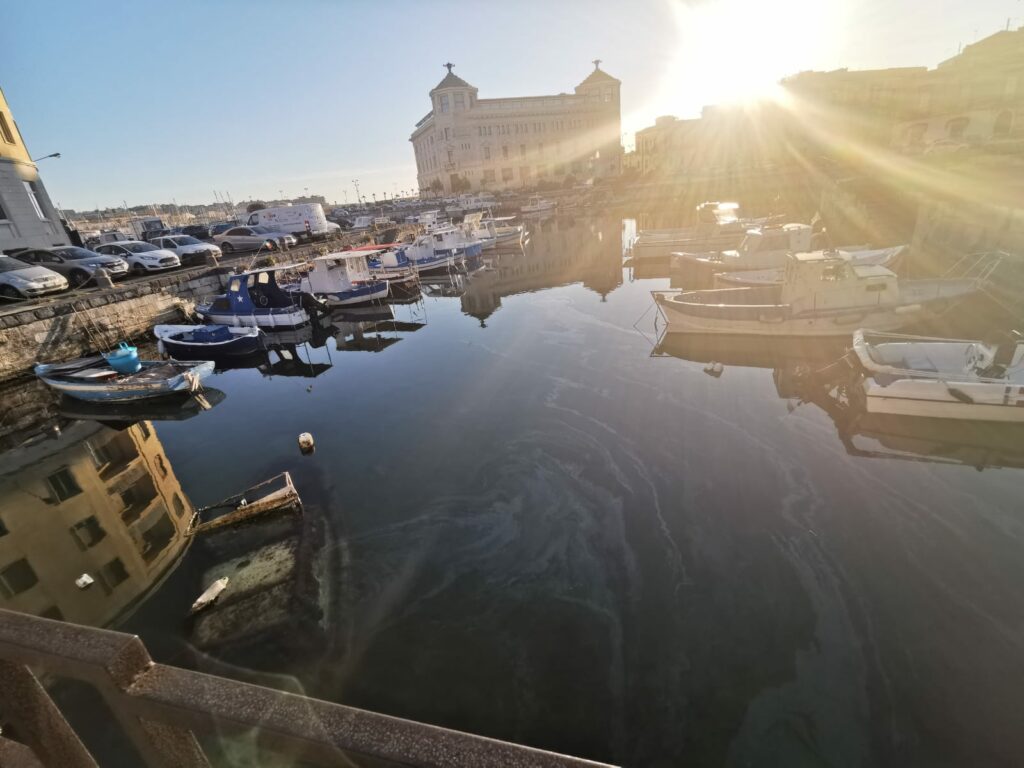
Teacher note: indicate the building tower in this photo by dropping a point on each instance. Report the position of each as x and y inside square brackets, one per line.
[602, 90]
[451, 99]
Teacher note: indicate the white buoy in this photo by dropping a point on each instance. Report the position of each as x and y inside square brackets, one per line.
[306, 443]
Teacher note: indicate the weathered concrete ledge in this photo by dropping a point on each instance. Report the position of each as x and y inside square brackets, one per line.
[85, 324]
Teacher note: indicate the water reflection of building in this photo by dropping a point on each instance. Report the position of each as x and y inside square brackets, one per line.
[561, 252]
[94, 500]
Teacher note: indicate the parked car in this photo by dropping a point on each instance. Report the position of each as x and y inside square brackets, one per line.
[198, 231]
[76, 264]
[188, 249]
[219, 228]
[141, 257]
[107, 236]
[251, 238]
[19, 280]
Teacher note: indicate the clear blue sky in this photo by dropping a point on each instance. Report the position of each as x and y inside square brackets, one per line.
[153, 101]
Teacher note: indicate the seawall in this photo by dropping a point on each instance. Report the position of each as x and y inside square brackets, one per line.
[80, 325]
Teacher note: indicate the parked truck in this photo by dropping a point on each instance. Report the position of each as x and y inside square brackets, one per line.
[304, 221]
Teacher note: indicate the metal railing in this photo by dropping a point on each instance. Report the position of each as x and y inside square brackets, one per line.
[160, 709]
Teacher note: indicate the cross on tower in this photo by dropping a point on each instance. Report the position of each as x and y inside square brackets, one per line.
[449, 65]
[597, 64]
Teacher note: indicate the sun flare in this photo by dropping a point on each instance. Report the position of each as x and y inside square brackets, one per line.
[736, 51]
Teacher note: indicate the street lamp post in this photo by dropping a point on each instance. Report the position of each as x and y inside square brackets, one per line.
[44, 157]
[359, 199]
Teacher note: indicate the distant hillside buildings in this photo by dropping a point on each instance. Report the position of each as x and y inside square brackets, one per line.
[27, 217]
[468, 143]
[973, 98]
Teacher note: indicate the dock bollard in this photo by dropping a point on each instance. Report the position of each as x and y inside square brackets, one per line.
[306, 443]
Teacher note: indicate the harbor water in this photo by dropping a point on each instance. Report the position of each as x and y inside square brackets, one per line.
[533, 519]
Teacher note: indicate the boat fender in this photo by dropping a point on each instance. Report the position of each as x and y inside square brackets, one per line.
[306, 445]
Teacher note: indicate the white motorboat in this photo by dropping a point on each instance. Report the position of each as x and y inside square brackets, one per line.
[538, 204]
[821, 295]
[343, 279]
[760, 248]
[718, 226]
[476, 228]
[941, 378]
[883, 257]
[506, 232]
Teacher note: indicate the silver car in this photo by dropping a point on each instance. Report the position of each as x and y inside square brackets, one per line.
[252, 238]
[76, 264]
[19, 280]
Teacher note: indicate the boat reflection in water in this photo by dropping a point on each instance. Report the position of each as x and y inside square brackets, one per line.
[869, 435]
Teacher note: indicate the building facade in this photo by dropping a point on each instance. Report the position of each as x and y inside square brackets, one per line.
[467, 143]
[974, 98]
[27, 217]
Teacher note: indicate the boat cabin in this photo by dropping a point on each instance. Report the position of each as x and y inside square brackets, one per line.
[448, 239]
[249, 292]
[820, 281]
[791, 238]
[338, 272]
[391, 258]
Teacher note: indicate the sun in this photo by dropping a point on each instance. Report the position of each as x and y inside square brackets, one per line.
[736, 51]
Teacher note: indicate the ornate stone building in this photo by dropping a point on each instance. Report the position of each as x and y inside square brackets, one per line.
[27, 217]
[468, 143]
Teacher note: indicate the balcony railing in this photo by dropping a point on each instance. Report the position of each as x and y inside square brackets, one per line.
[161, 708]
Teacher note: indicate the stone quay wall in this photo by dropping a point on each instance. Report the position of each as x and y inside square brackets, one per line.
[87, 324]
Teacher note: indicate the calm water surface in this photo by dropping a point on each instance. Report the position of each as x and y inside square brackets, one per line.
[535, 525]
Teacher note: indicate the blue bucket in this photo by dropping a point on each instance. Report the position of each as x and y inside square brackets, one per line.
[124, 359]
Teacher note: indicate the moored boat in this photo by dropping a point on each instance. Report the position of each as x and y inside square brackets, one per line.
[476, 228]
[882, 257]
[820, 295]
[391, 264]
[208, 342]
[424, 258]
[94, 379]
[343, 279]
[538, 204]
[255, 299]
[719, 226]
[941, 378]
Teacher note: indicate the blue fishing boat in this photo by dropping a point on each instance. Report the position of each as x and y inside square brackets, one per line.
[255, 299]
[208, 342]
[425, 258]
[93, 379]
[390, 264]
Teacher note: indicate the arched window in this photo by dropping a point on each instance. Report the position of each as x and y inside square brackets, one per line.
[955, 128]
[1003, 123]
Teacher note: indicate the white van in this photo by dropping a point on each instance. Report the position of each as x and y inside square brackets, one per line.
[298, 220]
